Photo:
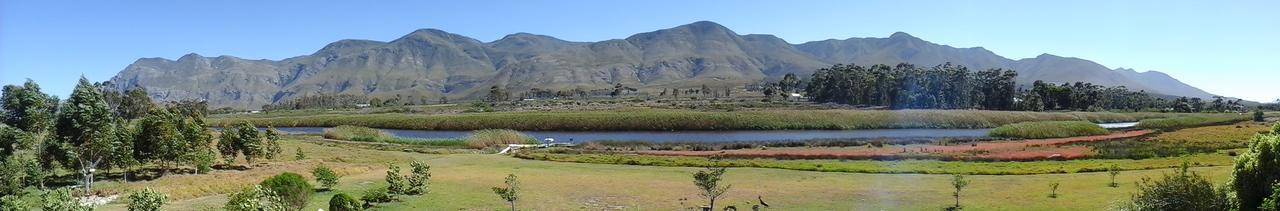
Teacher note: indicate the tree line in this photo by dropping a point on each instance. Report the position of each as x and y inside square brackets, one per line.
[948, 86]
[100, 129]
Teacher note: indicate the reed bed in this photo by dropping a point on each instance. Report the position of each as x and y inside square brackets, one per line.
[497, 137]
[1048, 129]
[668, 120]
[1174, 123]
[365, 134]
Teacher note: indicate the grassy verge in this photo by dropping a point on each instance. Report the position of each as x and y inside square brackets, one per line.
[1050, 129]
[663, 119]
[1191, 121]
[902, 166]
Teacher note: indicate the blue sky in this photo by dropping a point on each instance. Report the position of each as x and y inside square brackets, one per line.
[1225, 47]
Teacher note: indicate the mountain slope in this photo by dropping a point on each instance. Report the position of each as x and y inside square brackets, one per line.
[427, 64]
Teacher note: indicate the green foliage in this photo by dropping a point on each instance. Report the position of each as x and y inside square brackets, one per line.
[27, 108]
[13, 203]
[959, 183]
[377, 195]
[1258, 116]
[708, 182]
[395, 182]
[497, 137]
[20, 171]
[902, 86]
[1183, 190]
[272, 147]
[256, 198]
[510, 192]
[418, 179]
[1189, 121]
[135, 104]
[87, 126]
[60, 200]
[1272, 203]
[292, 189]
[1256, 170]
[1052, 129]
[344, 202]
[146, 200]
[241, 139]
[324, 176]
[1113, 171]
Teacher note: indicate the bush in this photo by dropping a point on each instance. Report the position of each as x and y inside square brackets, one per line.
[377, 195]
[356, 133]
[292, 188]
[1256, 170]
[13, 203]
[1184, 190]
[256, 198]
[1258, 116]
[421, 174]
[1051, 129]
[146, 200]
[497, 137]
[344, 202]
[60, 199]
[324, 176]
[395, 182]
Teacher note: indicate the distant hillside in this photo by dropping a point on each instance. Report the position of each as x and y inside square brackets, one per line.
[427, 64]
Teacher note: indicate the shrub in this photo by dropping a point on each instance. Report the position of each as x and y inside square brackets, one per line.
[417, 181]
[255, 198]
[1256, 170]
[298, 155]
[292, 188]
[395, 182]
[324, 176]
[146, 200]
[1258, 116]
[497, 137]
[60, 199]
[1183, 190]
[1052, 129]
[203, 161]
[377, 195]
[344, 202]
[13, 203]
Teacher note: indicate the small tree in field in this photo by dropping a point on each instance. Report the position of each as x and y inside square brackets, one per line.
[1053, 190]
[708, 181]
[1258, 116]
[509, 193]
[325, 176]
[298, 155]
[395, 182]
[1114, 170]
[420, 175]
[958, 182]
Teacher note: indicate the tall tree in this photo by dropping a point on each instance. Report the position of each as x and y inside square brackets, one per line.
[87, 126]
[135, 104]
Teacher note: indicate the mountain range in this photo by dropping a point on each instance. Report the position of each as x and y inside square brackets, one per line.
[430, 63]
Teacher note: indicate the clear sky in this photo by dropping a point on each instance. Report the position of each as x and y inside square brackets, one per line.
[1224, 47]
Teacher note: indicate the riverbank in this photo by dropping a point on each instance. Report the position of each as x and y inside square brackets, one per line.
[645, 119]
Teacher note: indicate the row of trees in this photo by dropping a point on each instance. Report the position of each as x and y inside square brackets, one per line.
[904, 86]
[947, 86]
[98, 128]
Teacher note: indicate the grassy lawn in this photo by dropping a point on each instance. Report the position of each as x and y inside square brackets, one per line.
[665, 119]
[462, 182]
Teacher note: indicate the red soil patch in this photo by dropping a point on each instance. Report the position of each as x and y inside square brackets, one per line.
[1027, 149]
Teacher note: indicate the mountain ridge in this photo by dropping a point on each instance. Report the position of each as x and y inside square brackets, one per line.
[427, 64]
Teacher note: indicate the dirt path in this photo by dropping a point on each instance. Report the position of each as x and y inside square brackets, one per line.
[1026, 149]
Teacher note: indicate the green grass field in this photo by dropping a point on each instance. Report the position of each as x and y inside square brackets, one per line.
[462, 182]
[663, 119]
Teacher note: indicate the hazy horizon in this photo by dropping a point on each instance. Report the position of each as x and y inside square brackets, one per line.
[1221, 49]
